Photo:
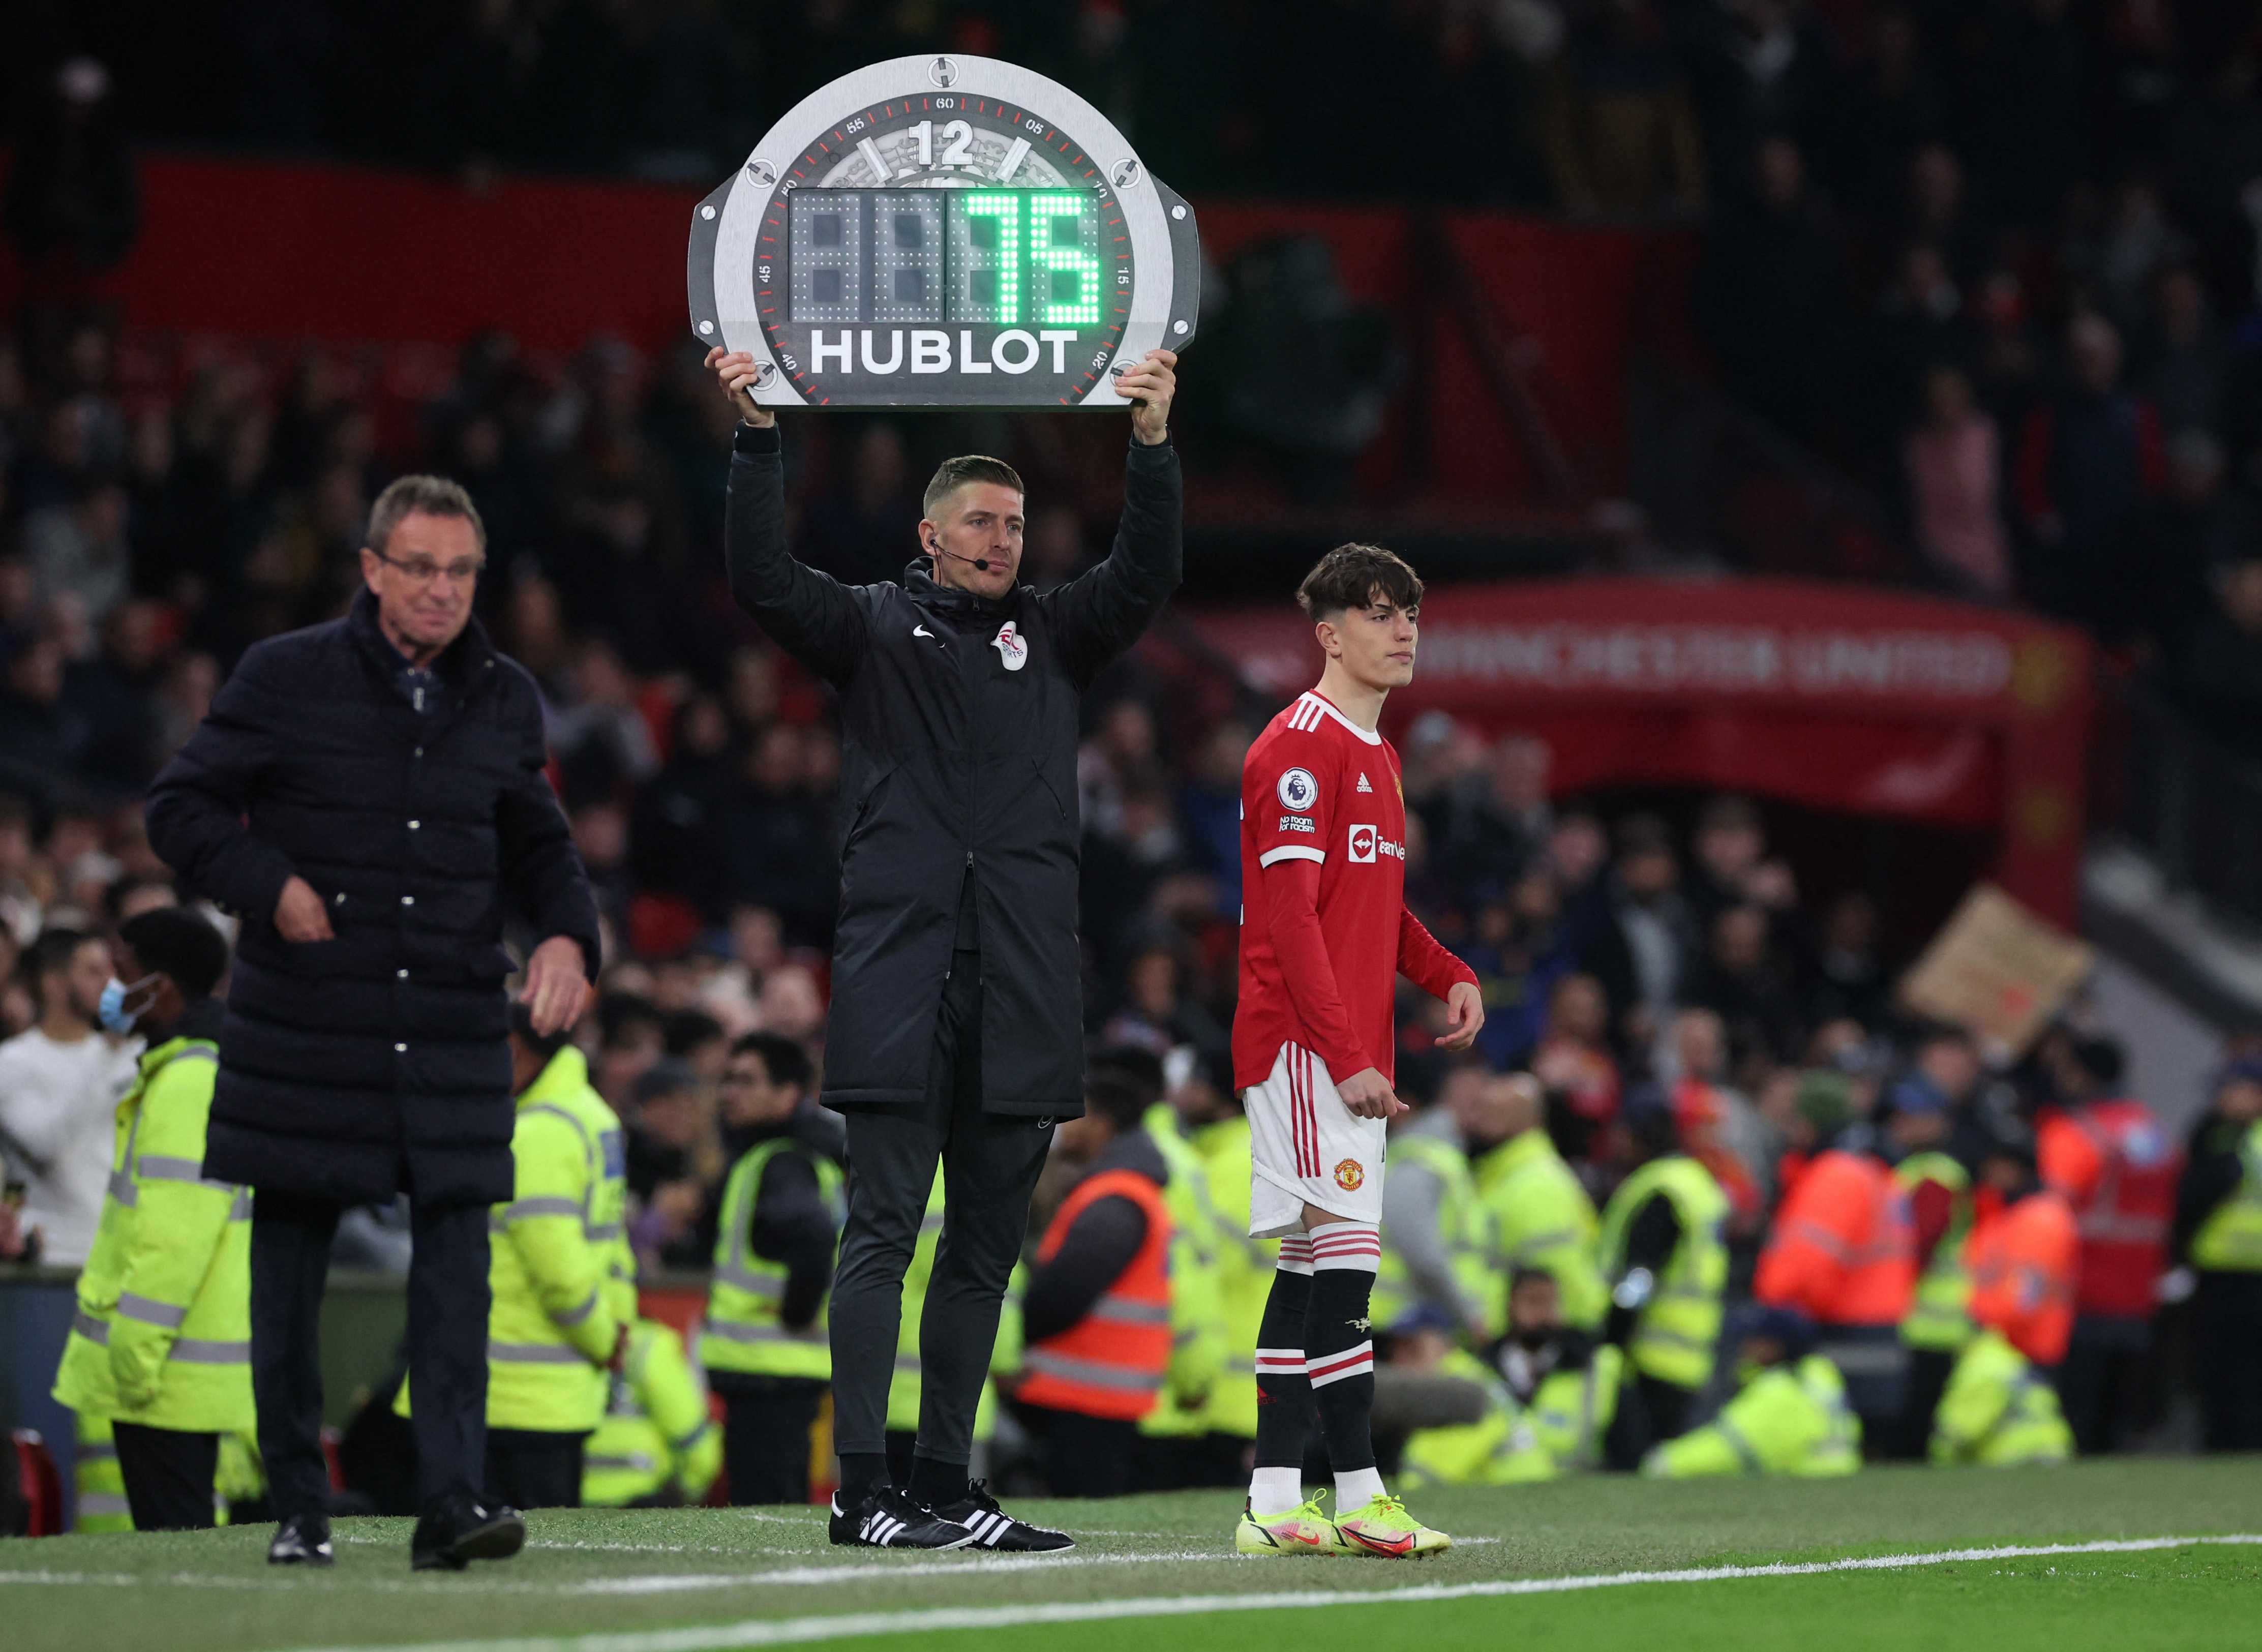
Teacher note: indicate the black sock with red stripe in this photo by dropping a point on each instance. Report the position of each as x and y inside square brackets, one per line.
[1284, 1393]
[1339, 1341]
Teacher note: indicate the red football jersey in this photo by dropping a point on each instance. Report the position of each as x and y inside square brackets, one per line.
[1317, 787]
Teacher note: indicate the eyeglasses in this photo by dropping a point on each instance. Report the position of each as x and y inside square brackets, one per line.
[423, 571]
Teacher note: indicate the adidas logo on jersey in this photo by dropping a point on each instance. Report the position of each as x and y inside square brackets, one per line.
[1363, 786]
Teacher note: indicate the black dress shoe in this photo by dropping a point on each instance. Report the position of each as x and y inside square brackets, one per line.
[453, 1536]
[890, 1518]
[304, 1541]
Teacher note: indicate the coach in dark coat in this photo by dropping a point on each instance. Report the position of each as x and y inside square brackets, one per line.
[368, 796]
[955, 1031]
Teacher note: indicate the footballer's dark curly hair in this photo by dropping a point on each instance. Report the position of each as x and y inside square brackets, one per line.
[1357, 576]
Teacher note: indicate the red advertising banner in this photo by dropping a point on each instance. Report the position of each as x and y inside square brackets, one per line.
[1865, 702]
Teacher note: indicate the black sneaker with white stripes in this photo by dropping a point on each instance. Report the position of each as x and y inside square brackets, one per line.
[891, 1518]
[993, 1528]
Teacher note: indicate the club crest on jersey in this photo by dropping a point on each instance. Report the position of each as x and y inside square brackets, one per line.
[1298, 790]
[1011, 646]
[1363, 786]
[1348, 1174]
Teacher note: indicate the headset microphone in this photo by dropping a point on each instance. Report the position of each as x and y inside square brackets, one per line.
[981, 564]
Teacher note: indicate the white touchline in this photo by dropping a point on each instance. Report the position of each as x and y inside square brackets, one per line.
[762, 1632]
[641, 1584]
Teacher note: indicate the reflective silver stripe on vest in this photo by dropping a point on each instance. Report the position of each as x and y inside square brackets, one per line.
[241, 1210]
[735, 1273]
[518, 1209]
[533, 1353]
[1734, 1436]
[1543, 1241]
[1125, 1310]
[1241, 1367]
[907, 1364]
[96, 1451]
[579, 1128]
[149, 1312]
[122, 1188]
[193, 1350]
[600, 1231]
[575, 1315]
[165, 1167]
[92, 1328]
[685, 1442]
[638, 1462]
[101, 1502]
[1866, 1359]
[1090, 1372]
[762, 1333]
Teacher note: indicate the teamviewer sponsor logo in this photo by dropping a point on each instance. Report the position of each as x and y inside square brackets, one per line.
[1366, 843]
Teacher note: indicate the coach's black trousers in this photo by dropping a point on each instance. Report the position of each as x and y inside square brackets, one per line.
[990, 1167]
[448, 1299]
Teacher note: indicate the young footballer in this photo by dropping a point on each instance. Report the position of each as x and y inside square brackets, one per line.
[1324, 937]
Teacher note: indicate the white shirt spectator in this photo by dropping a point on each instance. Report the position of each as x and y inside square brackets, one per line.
[58, 1110]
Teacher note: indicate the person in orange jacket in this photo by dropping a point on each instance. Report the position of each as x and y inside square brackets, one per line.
[1096, 1313]
[2022, 1253]
[1843, 1252]
[2105, 1152]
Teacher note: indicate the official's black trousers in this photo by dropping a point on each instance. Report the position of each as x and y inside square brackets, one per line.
[2103, 1383]
[766, 1431]
[169, 1477]
[448, 1304]
[532, 1467]
[1651, 1411]
[990, 1167]
[1928, 1371]
[2226, 1326]
[1085, 1456]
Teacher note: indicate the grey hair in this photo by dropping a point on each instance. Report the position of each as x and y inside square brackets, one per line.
[430, 496]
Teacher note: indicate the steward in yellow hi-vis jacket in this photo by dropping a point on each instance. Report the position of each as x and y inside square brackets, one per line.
[1790, 1416]
[554, 1324]
[161, 1344]
[1245, 1270]
[1172, 1449]
[1998, 1410]
[1541, 1217]
[1551, 1392]
[766, 1343]
[655, 1446]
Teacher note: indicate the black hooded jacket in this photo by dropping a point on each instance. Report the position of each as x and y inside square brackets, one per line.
[959, 724]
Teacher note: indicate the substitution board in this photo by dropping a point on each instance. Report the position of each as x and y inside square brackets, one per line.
[943, 232]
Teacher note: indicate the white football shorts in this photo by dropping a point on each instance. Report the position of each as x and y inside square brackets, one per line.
[1308, 1148]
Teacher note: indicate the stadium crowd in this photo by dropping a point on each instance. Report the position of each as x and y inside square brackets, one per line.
[1996, 260]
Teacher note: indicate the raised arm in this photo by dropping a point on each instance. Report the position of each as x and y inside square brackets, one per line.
[808, 613]
[1098, 614]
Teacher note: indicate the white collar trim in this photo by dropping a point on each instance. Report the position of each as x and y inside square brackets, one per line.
[1370, 736]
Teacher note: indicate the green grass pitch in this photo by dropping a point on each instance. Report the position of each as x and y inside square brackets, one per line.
[1158, 1573]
